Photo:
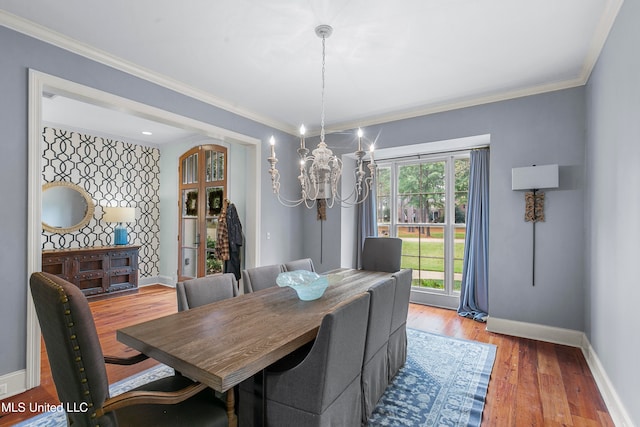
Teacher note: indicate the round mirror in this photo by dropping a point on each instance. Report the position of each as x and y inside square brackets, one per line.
[66, 207]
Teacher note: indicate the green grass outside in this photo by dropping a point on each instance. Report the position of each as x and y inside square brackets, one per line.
[435, 284]
[429, 255]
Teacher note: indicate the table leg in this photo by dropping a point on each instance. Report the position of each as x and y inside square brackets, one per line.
[259, 400]
[264, 398]
[231, 408]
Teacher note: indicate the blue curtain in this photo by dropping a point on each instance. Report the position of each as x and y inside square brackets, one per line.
[474, 292]
[367, 225]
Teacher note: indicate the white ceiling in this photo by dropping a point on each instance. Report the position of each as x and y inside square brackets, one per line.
[110, 123]
[385, 60]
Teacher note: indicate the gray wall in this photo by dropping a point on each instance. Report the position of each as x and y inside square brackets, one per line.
[19, 53]
[542, 129]
[613, 232]
[579, 289]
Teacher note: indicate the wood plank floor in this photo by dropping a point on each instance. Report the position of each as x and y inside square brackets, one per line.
[533, 383]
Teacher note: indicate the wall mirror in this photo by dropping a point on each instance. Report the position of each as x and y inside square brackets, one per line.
[66, 207]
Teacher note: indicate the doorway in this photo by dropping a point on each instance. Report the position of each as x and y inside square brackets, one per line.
[202, 188]
[40, 83]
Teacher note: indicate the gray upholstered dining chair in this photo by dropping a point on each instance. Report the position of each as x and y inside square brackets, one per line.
[79, 373]
[397, 353]
[323, 389]
[375, 371]
[382, 254]
[258, 278]
[299, 264]
[205, 290]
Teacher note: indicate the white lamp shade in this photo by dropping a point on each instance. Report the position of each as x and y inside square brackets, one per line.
[534, 177]
[119, 214]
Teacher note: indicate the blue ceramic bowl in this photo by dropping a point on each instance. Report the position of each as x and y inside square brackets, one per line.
[307, 284]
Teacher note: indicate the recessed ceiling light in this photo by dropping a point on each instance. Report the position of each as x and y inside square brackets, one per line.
[146, 132]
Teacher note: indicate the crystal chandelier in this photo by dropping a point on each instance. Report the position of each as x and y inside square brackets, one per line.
[320, 171]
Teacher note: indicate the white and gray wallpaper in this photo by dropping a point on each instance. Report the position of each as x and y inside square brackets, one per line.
[114, 173]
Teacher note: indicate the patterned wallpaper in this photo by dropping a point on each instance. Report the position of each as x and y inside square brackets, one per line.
[114, 173]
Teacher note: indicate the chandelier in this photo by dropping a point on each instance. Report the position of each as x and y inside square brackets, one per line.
[321, 170]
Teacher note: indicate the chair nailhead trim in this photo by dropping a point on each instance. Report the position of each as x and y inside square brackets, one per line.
[76, 348]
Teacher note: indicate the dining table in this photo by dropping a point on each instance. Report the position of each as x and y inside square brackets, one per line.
[226, 342]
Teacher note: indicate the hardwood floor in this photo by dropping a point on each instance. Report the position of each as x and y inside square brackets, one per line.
[533, 383]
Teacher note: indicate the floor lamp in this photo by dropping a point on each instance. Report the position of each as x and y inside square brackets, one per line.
[531, 179]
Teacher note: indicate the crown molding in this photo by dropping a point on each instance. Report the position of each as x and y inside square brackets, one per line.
[603, 29]
[595, 48]
[46, 35]
[456, 105]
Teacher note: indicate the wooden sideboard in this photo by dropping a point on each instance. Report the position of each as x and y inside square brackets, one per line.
[97, 271]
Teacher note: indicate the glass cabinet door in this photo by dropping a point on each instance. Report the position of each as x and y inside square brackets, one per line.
[202, 191]
[190, 235]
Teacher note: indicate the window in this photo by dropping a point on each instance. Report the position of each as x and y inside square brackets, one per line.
[423, 201]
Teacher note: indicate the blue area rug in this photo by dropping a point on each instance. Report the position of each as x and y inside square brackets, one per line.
[443, 383]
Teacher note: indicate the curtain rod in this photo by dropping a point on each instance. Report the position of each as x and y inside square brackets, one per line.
[435, 153]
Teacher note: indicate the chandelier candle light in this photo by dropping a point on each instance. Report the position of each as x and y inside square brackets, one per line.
[320, 171]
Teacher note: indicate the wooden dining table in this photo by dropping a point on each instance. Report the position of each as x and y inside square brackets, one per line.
[224, 343]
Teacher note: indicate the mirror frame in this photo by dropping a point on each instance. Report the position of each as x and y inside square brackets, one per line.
[87, 216]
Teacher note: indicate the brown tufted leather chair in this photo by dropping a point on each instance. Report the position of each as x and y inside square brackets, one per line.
[80, 376]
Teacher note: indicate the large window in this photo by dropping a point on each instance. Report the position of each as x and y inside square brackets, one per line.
[423, 201]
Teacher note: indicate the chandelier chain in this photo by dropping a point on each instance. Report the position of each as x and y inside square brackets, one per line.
[322, 98]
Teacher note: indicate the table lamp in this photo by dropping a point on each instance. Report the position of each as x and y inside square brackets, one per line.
[119, 215]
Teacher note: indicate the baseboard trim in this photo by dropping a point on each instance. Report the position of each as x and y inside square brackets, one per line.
[570, 338]
[435, 300]
[616, 408]
[13, 383]
[534, 331]
[154, 280]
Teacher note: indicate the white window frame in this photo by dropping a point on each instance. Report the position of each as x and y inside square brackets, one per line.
[447, 297]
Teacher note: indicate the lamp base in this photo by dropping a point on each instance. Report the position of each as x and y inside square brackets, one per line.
[120, 235]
